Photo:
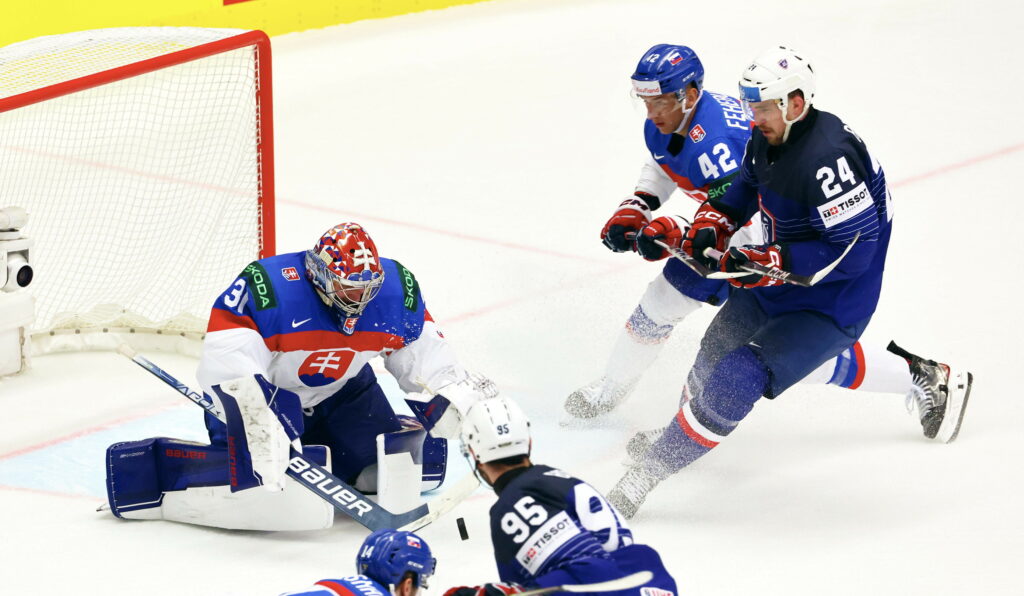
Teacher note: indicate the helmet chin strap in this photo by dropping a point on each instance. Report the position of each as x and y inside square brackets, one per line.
[686, 113]
[789, 123]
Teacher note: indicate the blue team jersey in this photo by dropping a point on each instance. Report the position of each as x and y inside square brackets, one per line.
[704, 159]
[354, 585]
[550, 529]
[815, 192]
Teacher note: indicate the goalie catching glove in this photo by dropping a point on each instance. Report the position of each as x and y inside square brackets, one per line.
[712, 227]
[770, 256]
[441, 410]
[632, 215]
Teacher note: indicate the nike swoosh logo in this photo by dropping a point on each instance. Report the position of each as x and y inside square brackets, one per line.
[300, 323]
[656, 156]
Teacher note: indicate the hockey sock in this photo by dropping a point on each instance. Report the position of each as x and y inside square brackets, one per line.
[865, 367]
[650, 325]
[735, 384]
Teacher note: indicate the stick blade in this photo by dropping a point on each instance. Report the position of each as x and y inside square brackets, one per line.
[633, 580]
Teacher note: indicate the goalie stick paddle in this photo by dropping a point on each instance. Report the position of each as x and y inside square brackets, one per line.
[786, 276]
[327, 486]
[633, 580]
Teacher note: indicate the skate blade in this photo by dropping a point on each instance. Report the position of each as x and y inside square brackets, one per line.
[959, 393]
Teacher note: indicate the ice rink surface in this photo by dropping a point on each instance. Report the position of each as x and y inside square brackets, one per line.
[484, 147]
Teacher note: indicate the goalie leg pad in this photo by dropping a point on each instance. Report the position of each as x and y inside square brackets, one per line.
[262, 421]
[162, 478]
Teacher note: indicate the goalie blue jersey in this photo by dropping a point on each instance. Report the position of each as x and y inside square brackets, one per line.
[704, 159]
[816, 192]
[354, 585]
[551, 529]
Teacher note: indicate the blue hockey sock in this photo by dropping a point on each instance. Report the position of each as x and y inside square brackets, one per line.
[736, 383]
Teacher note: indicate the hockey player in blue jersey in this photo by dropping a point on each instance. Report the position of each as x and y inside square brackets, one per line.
[696, 139]
[819, 191]
[286, 358]
[547, 527]
[389, 562]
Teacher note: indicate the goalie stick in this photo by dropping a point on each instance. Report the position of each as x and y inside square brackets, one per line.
[633, 580]
[786, 276]
[327, 486]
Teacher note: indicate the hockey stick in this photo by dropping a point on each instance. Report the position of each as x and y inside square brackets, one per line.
[634, 580]
[327, 486]
[786, 276]
[696, 265]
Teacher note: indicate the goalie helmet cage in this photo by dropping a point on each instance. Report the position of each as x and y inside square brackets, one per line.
[144, 156]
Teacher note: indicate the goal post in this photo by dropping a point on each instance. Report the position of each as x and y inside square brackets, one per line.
[144, 158]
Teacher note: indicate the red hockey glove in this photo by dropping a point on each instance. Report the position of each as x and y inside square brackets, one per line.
[711, 229]
[769, 256]
[493, 589]
[669, 229]
[632, 215]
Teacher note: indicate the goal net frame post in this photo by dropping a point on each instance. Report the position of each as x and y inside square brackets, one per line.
[185, 330]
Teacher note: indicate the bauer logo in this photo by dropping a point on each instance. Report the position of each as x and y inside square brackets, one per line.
[324, 367]
[846, 207]
[290, 273]
[697, 133]
[328, 487]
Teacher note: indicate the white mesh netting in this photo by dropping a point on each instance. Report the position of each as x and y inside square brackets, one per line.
[143, 193]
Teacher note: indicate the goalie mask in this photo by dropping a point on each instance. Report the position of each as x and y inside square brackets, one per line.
[345, 269]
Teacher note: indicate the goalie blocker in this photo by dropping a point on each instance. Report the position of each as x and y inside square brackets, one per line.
[240, 484]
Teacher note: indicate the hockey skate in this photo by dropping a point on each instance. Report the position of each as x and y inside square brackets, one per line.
[631, 490]
[940, 394]
[641, 442]
[597, 398]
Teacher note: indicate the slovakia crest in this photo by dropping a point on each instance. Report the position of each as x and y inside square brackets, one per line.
[675, 59]
[697, 133]
[324, 367]
[290, 273]
[413, 542]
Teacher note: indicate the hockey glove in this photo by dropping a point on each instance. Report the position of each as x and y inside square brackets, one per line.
[493, 589]
[771, 256]
[632, 215]
[711, 228]
[669, 229]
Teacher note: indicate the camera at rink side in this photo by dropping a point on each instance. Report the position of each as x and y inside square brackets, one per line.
[15, 264]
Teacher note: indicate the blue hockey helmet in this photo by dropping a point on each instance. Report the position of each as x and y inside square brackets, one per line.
[386, 556]
[667, 68]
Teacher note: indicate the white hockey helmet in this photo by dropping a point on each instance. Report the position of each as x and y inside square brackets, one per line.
[494, 429]
[775, 74]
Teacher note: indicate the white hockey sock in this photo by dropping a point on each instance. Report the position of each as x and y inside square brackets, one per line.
[660, 309]
[865, 367]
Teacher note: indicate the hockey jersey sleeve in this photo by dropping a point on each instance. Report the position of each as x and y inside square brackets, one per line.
[427, 362]
[233, 346]
[654, 181]
[850, 199]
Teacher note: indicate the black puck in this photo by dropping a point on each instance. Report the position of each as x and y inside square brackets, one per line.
[461, 522]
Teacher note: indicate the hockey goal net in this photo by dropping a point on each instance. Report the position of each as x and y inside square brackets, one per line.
[144, 158]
